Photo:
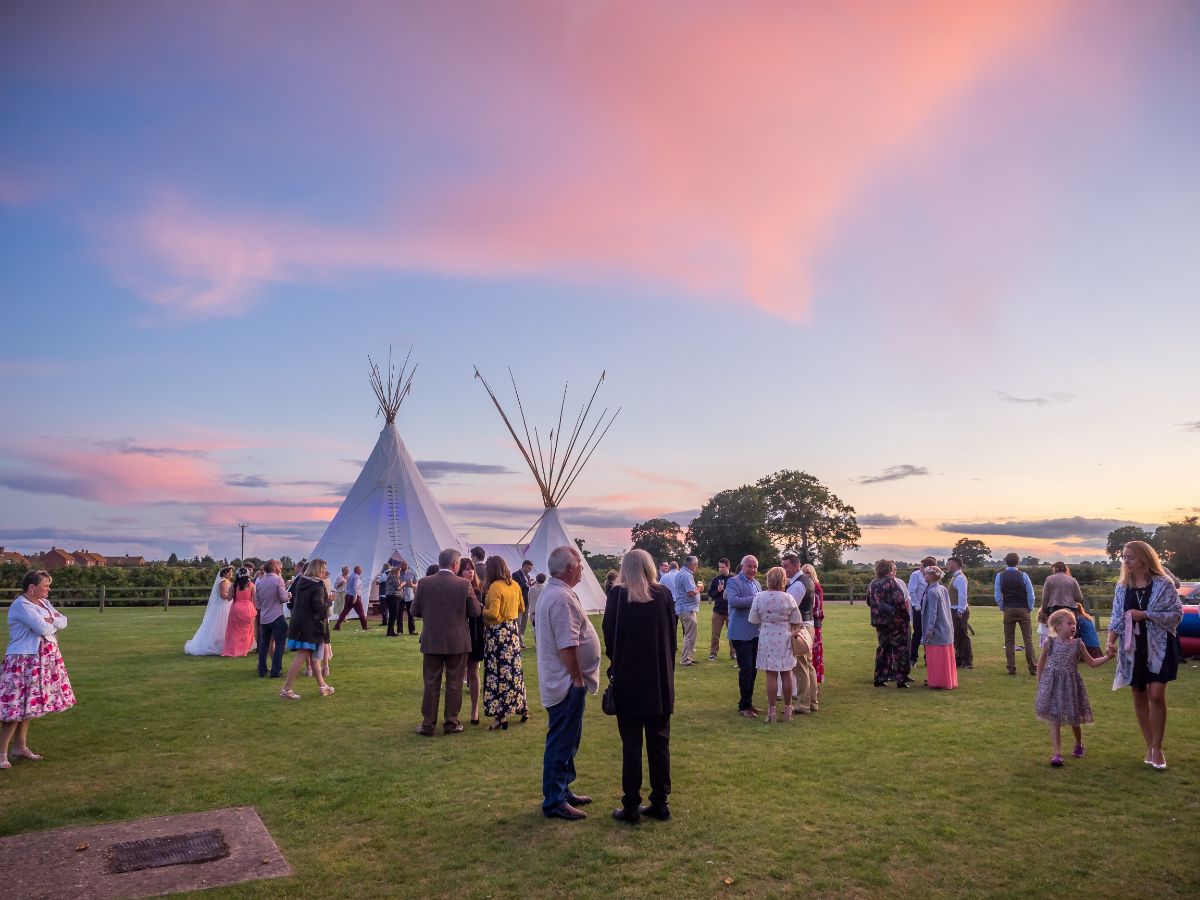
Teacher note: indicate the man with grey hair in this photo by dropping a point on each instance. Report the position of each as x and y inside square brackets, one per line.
[687, 604]
[443, 603]
[743, 634]
[568, 657]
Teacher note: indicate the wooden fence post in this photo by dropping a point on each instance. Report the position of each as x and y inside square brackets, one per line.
[101, 598]
[851, 594]
[166, 597]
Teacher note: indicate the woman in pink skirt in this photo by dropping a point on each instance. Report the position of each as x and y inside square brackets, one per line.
[941, 671]
[34, 682]
[239, 628]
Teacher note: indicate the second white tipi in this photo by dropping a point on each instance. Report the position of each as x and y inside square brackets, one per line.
[555, 464]
[389, 512]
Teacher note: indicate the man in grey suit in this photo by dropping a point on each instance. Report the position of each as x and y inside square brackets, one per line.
[443, 603]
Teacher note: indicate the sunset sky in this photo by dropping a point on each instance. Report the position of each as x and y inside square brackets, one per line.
[944, 256]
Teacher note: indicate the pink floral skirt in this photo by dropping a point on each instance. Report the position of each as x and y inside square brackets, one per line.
[34, 684]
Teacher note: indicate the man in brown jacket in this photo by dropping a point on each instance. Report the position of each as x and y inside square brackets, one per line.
[443, 603]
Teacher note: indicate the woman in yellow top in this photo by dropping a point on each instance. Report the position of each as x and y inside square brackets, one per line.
[503, 674]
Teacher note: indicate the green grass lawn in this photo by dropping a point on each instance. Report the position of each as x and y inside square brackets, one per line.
[883, 792]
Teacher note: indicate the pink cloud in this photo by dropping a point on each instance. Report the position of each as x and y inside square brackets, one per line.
[718, 151]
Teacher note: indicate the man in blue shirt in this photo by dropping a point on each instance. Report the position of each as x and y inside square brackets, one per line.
[687, 604]
[743, 634]
[1014, 595]
[956, 585]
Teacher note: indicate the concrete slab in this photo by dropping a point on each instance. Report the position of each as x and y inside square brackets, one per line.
[74, 862]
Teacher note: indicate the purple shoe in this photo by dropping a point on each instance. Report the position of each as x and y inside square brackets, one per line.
[1056, 760]
[1078, 751]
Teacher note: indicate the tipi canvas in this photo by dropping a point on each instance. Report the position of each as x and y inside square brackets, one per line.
[389, 512]
[552, 532]
[555, 463]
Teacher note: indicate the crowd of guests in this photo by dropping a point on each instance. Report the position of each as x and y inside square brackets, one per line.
[473, 610]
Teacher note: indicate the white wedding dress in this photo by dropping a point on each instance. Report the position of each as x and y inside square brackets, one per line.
[210, 636]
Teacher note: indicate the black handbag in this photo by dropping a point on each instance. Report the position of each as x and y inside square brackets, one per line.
[608, 700]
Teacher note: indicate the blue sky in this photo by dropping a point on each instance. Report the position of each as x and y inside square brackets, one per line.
[943, 260]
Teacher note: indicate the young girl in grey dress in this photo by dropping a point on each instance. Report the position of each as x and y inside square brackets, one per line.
[1062, 697]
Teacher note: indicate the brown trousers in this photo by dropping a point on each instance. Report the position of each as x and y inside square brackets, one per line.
[454, 665]
[1014, 617]
[718, 622]
[804, 684]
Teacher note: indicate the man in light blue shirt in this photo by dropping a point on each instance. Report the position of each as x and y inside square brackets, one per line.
[687, 604]
[956, 584]
[743, 634]
[667, 578]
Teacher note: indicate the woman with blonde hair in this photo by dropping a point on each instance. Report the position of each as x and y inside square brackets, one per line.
[503, 671]
[640, 642]
[308, 630]
[1145, 614]
[777, 615]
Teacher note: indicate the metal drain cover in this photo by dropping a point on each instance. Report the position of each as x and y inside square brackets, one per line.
[172, 850]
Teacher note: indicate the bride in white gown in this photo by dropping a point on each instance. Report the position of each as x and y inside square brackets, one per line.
[210, 636]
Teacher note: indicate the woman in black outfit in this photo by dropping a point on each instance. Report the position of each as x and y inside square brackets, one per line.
[467, 570]
[639, 640]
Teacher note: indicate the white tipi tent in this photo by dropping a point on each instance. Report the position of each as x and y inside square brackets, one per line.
[555, 472]
[389, 512]
[552, 532]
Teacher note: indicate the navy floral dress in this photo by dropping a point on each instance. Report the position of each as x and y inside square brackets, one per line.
[503, 672]
[885, 597]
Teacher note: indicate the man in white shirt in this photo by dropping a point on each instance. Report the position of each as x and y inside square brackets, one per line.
[687, 605]
[956, 585]
[916, 594]
[804, 676]
[568, 657]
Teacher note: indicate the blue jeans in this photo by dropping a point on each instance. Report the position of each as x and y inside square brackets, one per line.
[562, 742]
[278, 630]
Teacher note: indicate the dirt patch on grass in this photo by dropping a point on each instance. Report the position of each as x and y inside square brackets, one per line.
[76, 862]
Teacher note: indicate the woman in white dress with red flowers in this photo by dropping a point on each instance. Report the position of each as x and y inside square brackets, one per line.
[34, 682]
[776, 614]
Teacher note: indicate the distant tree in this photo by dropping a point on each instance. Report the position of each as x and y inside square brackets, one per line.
[582, 552]
[732, 524]
[602, 562]
[286, 562]
[1179, 544]
[172, 560]
[971, 551]
[805, 516]
[831, 558]
[1030, 561]
[659, 538]
[207, 560]
[1119, 537]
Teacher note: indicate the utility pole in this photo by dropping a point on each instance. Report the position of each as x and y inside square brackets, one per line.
[243, 526]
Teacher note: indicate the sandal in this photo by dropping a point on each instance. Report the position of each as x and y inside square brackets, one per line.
[26, 753]
[5, 764]
[787, 714]
[326, 690]
[770, 715]
[288, 695]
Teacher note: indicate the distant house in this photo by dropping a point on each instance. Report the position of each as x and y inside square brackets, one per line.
[87, 560]
[11, 556]
[126, 560]
[56, 559]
